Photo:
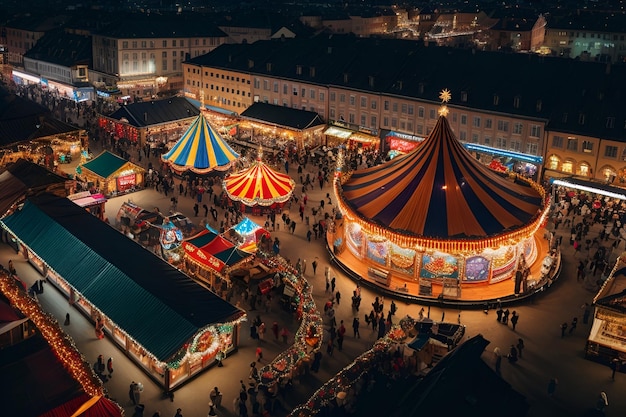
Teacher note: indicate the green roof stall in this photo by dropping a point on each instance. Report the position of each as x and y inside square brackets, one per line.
[111, 174]
[166, 322]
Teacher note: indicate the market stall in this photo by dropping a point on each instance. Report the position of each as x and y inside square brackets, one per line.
[112, 175]
[250, 235]
[259, 188]
[200, 150]
[607, 338]
[93, 203]
[137, 297]
[208, 256]
[437, 218]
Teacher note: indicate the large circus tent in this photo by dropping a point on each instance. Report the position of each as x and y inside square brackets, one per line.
[200, 150]
[438, 216]
[259, 185]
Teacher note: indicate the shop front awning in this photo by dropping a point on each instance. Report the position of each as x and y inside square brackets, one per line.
[338, 132]
[534, 159]
[591, 187]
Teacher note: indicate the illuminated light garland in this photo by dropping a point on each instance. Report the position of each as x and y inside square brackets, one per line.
[349, 375]
[60, 342]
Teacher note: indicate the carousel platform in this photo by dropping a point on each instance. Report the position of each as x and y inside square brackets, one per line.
[478, 295]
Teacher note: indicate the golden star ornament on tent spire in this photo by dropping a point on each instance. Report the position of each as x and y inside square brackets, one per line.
[445, 95]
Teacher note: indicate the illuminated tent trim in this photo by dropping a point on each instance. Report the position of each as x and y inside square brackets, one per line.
[200, 150]
[259, 185]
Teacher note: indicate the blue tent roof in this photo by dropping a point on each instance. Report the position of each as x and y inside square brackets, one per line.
[201, 149]
[144, 295]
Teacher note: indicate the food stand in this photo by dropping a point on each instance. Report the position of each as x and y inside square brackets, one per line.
[112, 175]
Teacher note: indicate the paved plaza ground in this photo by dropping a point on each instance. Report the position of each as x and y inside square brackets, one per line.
[547, 355]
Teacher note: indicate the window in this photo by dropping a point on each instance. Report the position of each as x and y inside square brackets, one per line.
[420, 112]
[394, 122]
[404, 109]
[134, 44]
[285, 89]
[503, 126]
[464, 119]
[463, 135]
[164, 44]
[303, 95]
[557, 141]
[420, 129]
[332, 96]
[266, 85]
[363, 103]
[474, 137]
[394, 107]
[386, 105]
[331, 113]
[342, 98]
[275, 87]
[488, 124]
[572, 144]
[257, 83]
[385, 121]
[610, 122]
[432, 114]
[164, 65]
[174, 42]
[487, 140]
[411, 109]
[587, 146]
[610, 151]
[409, 126]
[125, 45]
[373, 122]
[312, 94]
[532, 148]
[535, 131]
[373, 104]
[295, 91]
[144, 44]
[517, 128]
[322, 96]
[515, 145]
[352, 100]
[351, 118]
[501, 143]
[363, 119]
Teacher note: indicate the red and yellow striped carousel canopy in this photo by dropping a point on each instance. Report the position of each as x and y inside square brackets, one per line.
[440, 191]
[259, 185]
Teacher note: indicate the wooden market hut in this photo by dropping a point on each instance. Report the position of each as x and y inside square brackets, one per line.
[111, 174]
[607, 337]
[155, 121]
[301, 126]
[138, 297]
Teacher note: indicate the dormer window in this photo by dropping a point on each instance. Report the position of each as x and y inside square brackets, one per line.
[610, 122]
[581, 119]
[538, 105]
[496, 99]
[516, 101]
[564, 118]
[464, 96]
[298, 69]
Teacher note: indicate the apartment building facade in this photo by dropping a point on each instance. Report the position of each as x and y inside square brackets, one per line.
[142, 57]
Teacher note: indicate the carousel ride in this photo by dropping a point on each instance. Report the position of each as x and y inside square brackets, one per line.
[200, 150]
[436, 223]
[259, 187]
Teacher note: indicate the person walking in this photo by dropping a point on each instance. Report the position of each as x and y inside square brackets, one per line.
[67, 319]
[563, 329]
[275, 330]
[327, 284]
[552, 386]
[573, 325]
[314, 265]
[615, 365]
[179, 413]
[340, 335]
[338, 297]
[520, 346]
[137, 390]
[303, 267]
[498, 357]
[196, 209]
[514, 319]
[332, 284]
[259, 354]
[110, 367]
[355, 327]
[216, 397]
[586, 312]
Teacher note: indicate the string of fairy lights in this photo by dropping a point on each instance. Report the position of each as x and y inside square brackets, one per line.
[60, 342]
